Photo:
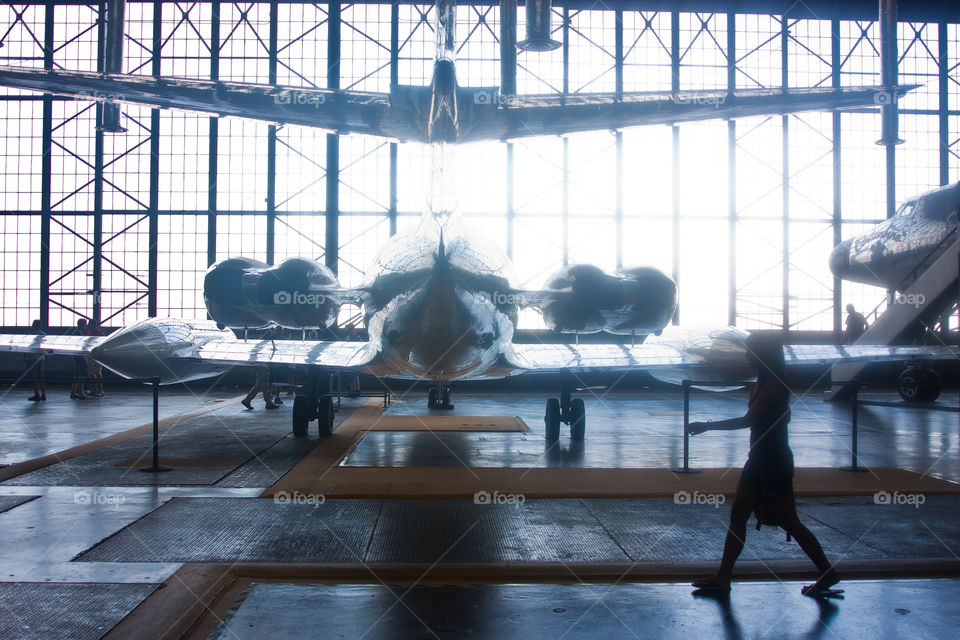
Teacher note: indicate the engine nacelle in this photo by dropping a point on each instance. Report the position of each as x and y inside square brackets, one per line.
[298, 293]
[161, 347]
[584, 299]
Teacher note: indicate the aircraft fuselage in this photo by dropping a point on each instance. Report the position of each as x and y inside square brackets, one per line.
[440, 307]
[892, 253]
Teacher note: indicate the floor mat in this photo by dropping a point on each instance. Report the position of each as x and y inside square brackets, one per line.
[57, 610]
[497, 528]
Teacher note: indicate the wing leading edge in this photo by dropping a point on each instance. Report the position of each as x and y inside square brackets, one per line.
[483, 114]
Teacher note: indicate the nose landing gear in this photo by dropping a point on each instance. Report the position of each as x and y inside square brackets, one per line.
[439, 397]
[568, 411]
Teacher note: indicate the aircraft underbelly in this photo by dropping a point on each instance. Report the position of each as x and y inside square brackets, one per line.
[443, 330]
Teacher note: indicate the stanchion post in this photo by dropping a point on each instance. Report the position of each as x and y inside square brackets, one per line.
[156, 468]
[854, 431]
[685, 386]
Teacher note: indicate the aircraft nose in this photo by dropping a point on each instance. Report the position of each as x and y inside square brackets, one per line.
[840, 259]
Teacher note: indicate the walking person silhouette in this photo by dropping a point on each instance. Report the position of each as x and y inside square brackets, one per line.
[766, 482]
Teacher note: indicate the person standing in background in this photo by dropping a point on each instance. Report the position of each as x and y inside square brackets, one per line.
[95, 368]
[80, 371]
[855, 326]
[35, 368]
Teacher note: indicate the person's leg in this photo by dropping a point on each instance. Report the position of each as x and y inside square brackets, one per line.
[810, 545]
[250, 396]
[737, 529]
[740, 512]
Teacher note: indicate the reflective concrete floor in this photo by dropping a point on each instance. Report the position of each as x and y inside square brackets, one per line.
[42, 537]
[871, 609]
[29, 430]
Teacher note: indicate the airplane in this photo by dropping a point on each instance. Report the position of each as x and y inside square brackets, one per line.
[442, 111]
[891, 254]
[438, 302]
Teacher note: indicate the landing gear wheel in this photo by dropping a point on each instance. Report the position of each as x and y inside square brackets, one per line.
[910, 384]
[551, 420]
[301, 416]
[931, 385]
[325, 415]
[432, 398]
[445, 399]
[578, 420]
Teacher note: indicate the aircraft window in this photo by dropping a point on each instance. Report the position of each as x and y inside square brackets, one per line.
[906, 210]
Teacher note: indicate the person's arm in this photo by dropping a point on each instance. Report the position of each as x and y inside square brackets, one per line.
[730, 424]
[764, 402]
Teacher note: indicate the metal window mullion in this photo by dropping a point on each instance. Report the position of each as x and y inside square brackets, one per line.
[731, 175]
[944, 94]
[332, 237]
[96, 285]
[675, 130]
[394, 81]
[46, 172]
[154, 227]
[836, 63]
[618, 67]
[214, 133]
[565, 220]
[508, 86]
[785, 120]
[272, 141]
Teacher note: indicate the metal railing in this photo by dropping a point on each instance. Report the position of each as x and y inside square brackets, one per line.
[153, 382]
[856, 403]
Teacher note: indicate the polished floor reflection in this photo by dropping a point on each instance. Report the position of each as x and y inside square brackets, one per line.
[871, 609]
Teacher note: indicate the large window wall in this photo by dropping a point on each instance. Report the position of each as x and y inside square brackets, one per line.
[743, 214]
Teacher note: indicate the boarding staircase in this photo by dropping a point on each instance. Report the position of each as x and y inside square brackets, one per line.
[934, 290]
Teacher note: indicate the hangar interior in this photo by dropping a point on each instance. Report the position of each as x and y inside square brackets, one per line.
[416, 522]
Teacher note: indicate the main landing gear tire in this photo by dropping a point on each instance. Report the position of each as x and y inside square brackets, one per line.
[440, 399]
[578, 420]
[551, 420]
[325, 415]
[916, 384]
[573, 413]
[301, 416]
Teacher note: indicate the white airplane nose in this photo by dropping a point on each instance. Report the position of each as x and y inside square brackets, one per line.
[840, 259]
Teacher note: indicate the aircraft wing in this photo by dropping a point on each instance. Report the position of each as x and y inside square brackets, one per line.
[831, 354]
[339, 111]
[49, 345]
[336, 354]
[554, 357]
[533, 115]
[703, 364]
